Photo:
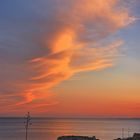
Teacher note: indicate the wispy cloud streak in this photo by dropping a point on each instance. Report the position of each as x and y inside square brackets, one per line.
[75, 36]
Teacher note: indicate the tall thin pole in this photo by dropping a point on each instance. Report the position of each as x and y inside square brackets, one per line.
[122, 133]
[28, 118]
[128, 132]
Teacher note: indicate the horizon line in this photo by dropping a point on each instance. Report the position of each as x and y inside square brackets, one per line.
[52, 117]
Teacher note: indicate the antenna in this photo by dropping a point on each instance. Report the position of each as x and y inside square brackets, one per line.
[128, 132]
[122, 133]
[27, 123]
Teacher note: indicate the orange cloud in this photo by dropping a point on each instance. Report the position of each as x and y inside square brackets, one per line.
[76, 39]
[75, 42]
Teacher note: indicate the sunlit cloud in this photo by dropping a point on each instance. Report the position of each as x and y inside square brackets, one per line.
[75, 36]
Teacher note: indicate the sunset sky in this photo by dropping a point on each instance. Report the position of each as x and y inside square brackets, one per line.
[70, 58]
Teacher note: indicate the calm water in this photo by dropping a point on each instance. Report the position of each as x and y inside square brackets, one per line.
[50, 129]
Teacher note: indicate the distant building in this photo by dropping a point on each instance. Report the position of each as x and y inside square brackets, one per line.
[76, 138]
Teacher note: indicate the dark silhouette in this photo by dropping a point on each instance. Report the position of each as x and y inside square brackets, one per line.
[27, 123]
[136, 136]
[76, 138]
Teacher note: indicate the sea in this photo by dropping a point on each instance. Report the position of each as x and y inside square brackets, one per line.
[52, 128]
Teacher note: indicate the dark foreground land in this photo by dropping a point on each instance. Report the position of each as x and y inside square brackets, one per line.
[76, 138]
[136, 136]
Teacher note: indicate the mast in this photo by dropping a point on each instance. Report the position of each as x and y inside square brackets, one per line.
[128, 132]
[27, 123]
[122, 133]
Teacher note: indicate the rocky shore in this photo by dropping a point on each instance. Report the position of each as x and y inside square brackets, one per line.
[76, 138]
[136, 136]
